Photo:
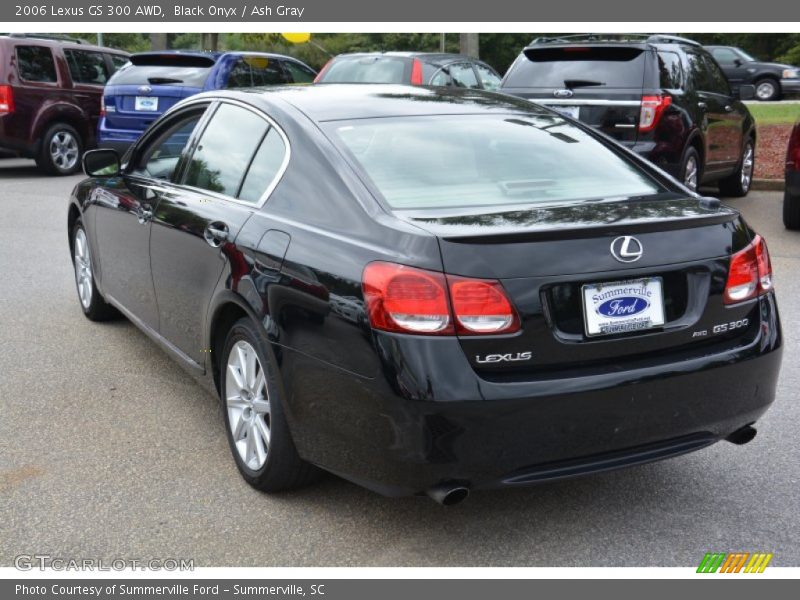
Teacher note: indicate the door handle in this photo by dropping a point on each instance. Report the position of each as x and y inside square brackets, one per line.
[702, 105]
[144, 214]
[216, 234]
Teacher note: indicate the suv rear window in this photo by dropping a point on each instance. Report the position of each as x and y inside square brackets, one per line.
[35, 63]
[367, 69]
[164, 69]
[614, 66]
[499, 160]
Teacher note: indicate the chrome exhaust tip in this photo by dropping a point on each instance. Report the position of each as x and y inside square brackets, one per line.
[448, 494]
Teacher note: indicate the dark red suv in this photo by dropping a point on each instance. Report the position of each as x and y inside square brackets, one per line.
[50, 96]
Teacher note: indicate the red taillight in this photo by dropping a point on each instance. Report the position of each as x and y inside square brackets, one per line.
[322, 71]
[749, 274]
[651, 111]
[102, 106]
[410, 300]
[793, 154]
[6, 99]
[416, 72]
[481, 306]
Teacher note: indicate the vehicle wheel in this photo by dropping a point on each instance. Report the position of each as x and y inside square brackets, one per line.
[61, 151]
[791, 211]
[737, 184]
[768, 89]
[92, 303]
[258, 432]
[690, 169]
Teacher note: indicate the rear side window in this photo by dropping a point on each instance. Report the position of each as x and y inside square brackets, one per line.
[718, 83]
[573, 66]
[368, 69]
[224, 151]
[670, 70]
[490, 79]
[265, 167]
[160, 160]
[298, 73]
[252, 71]
[463, 75]
[86, 67]
[35, 63]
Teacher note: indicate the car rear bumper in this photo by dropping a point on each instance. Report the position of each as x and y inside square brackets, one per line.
[429, 419]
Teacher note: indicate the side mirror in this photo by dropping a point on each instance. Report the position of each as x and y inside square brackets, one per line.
[737, 62]
[747, 92]
[102, 163]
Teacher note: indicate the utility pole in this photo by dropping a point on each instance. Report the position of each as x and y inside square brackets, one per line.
[442, 42]
[158, 41]
[209, 41]
[99, 39]
[469, 44]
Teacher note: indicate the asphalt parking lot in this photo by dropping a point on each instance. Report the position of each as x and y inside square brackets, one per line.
[109, 450]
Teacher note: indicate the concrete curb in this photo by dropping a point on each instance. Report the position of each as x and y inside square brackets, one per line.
[768, 185]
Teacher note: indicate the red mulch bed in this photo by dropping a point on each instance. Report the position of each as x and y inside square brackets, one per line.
[771, 150]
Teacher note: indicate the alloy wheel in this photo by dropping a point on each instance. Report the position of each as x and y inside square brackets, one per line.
[83, 268]
[64, 150]
[690, 173]
[747, 167]
[248, 405]
[765, 90]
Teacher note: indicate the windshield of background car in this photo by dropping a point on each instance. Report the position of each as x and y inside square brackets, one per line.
[579, 66]
[367, 69]
[443, 161]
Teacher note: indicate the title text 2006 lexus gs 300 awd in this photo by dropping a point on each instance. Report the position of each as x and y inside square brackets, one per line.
[428, 291]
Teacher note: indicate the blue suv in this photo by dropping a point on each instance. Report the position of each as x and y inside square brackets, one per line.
[139, 92]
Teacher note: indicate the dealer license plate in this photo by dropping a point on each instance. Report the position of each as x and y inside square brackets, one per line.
[623, 306]
[146, 103]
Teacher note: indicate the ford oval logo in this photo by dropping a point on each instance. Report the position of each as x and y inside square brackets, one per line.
[623, 306]
[563, 93]
[145, 89]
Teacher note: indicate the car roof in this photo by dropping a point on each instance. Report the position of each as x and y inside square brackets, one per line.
[623, 39]
[334, 102]
[213, 54]
[64, 43]
[429, 57]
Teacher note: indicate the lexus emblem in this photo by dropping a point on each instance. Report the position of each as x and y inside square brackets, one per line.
[562, 93]
[145, 89]
[626, 249]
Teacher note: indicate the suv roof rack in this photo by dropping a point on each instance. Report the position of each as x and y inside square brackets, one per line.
[47, 36]
[658, 38]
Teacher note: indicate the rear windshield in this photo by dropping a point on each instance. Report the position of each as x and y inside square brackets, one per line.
[476, 160]
[579, 66]
[164, 69]
[367, 69]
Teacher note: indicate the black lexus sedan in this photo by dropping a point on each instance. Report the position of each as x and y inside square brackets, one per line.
[428, 291]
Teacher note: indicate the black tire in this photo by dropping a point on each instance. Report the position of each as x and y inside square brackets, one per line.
[63, 136]
[690, 155]
[736, 185]
[283, 468]
[791, 211]
[767, 89]
[96, 309]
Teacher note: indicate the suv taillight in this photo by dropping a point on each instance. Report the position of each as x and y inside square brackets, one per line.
[793, 154]
[6, 99]
[416, 72]
[103, 106]
[651, 111]
[749, 274]
[410, 300]
[322, 71]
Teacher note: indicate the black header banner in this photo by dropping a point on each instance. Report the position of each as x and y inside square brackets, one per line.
[467, 11]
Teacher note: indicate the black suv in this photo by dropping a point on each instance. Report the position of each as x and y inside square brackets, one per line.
[771, 80]
[663, 97]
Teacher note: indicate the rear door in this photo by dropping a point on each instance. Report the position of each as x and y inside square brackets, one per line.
[139, 93]
[197, 221]
[89, 73]
[599, 84]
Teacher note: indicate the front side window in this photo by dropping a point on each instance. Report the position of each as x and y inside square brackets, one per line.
[35, 63]
[118, 61]
[86, 67]
[474, 160]
[223, 153]
[160, 159]
[725, 56]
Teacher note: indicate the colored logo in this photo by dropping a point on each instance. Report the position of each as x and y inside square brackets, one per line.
[625, 306]
[734, 562]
